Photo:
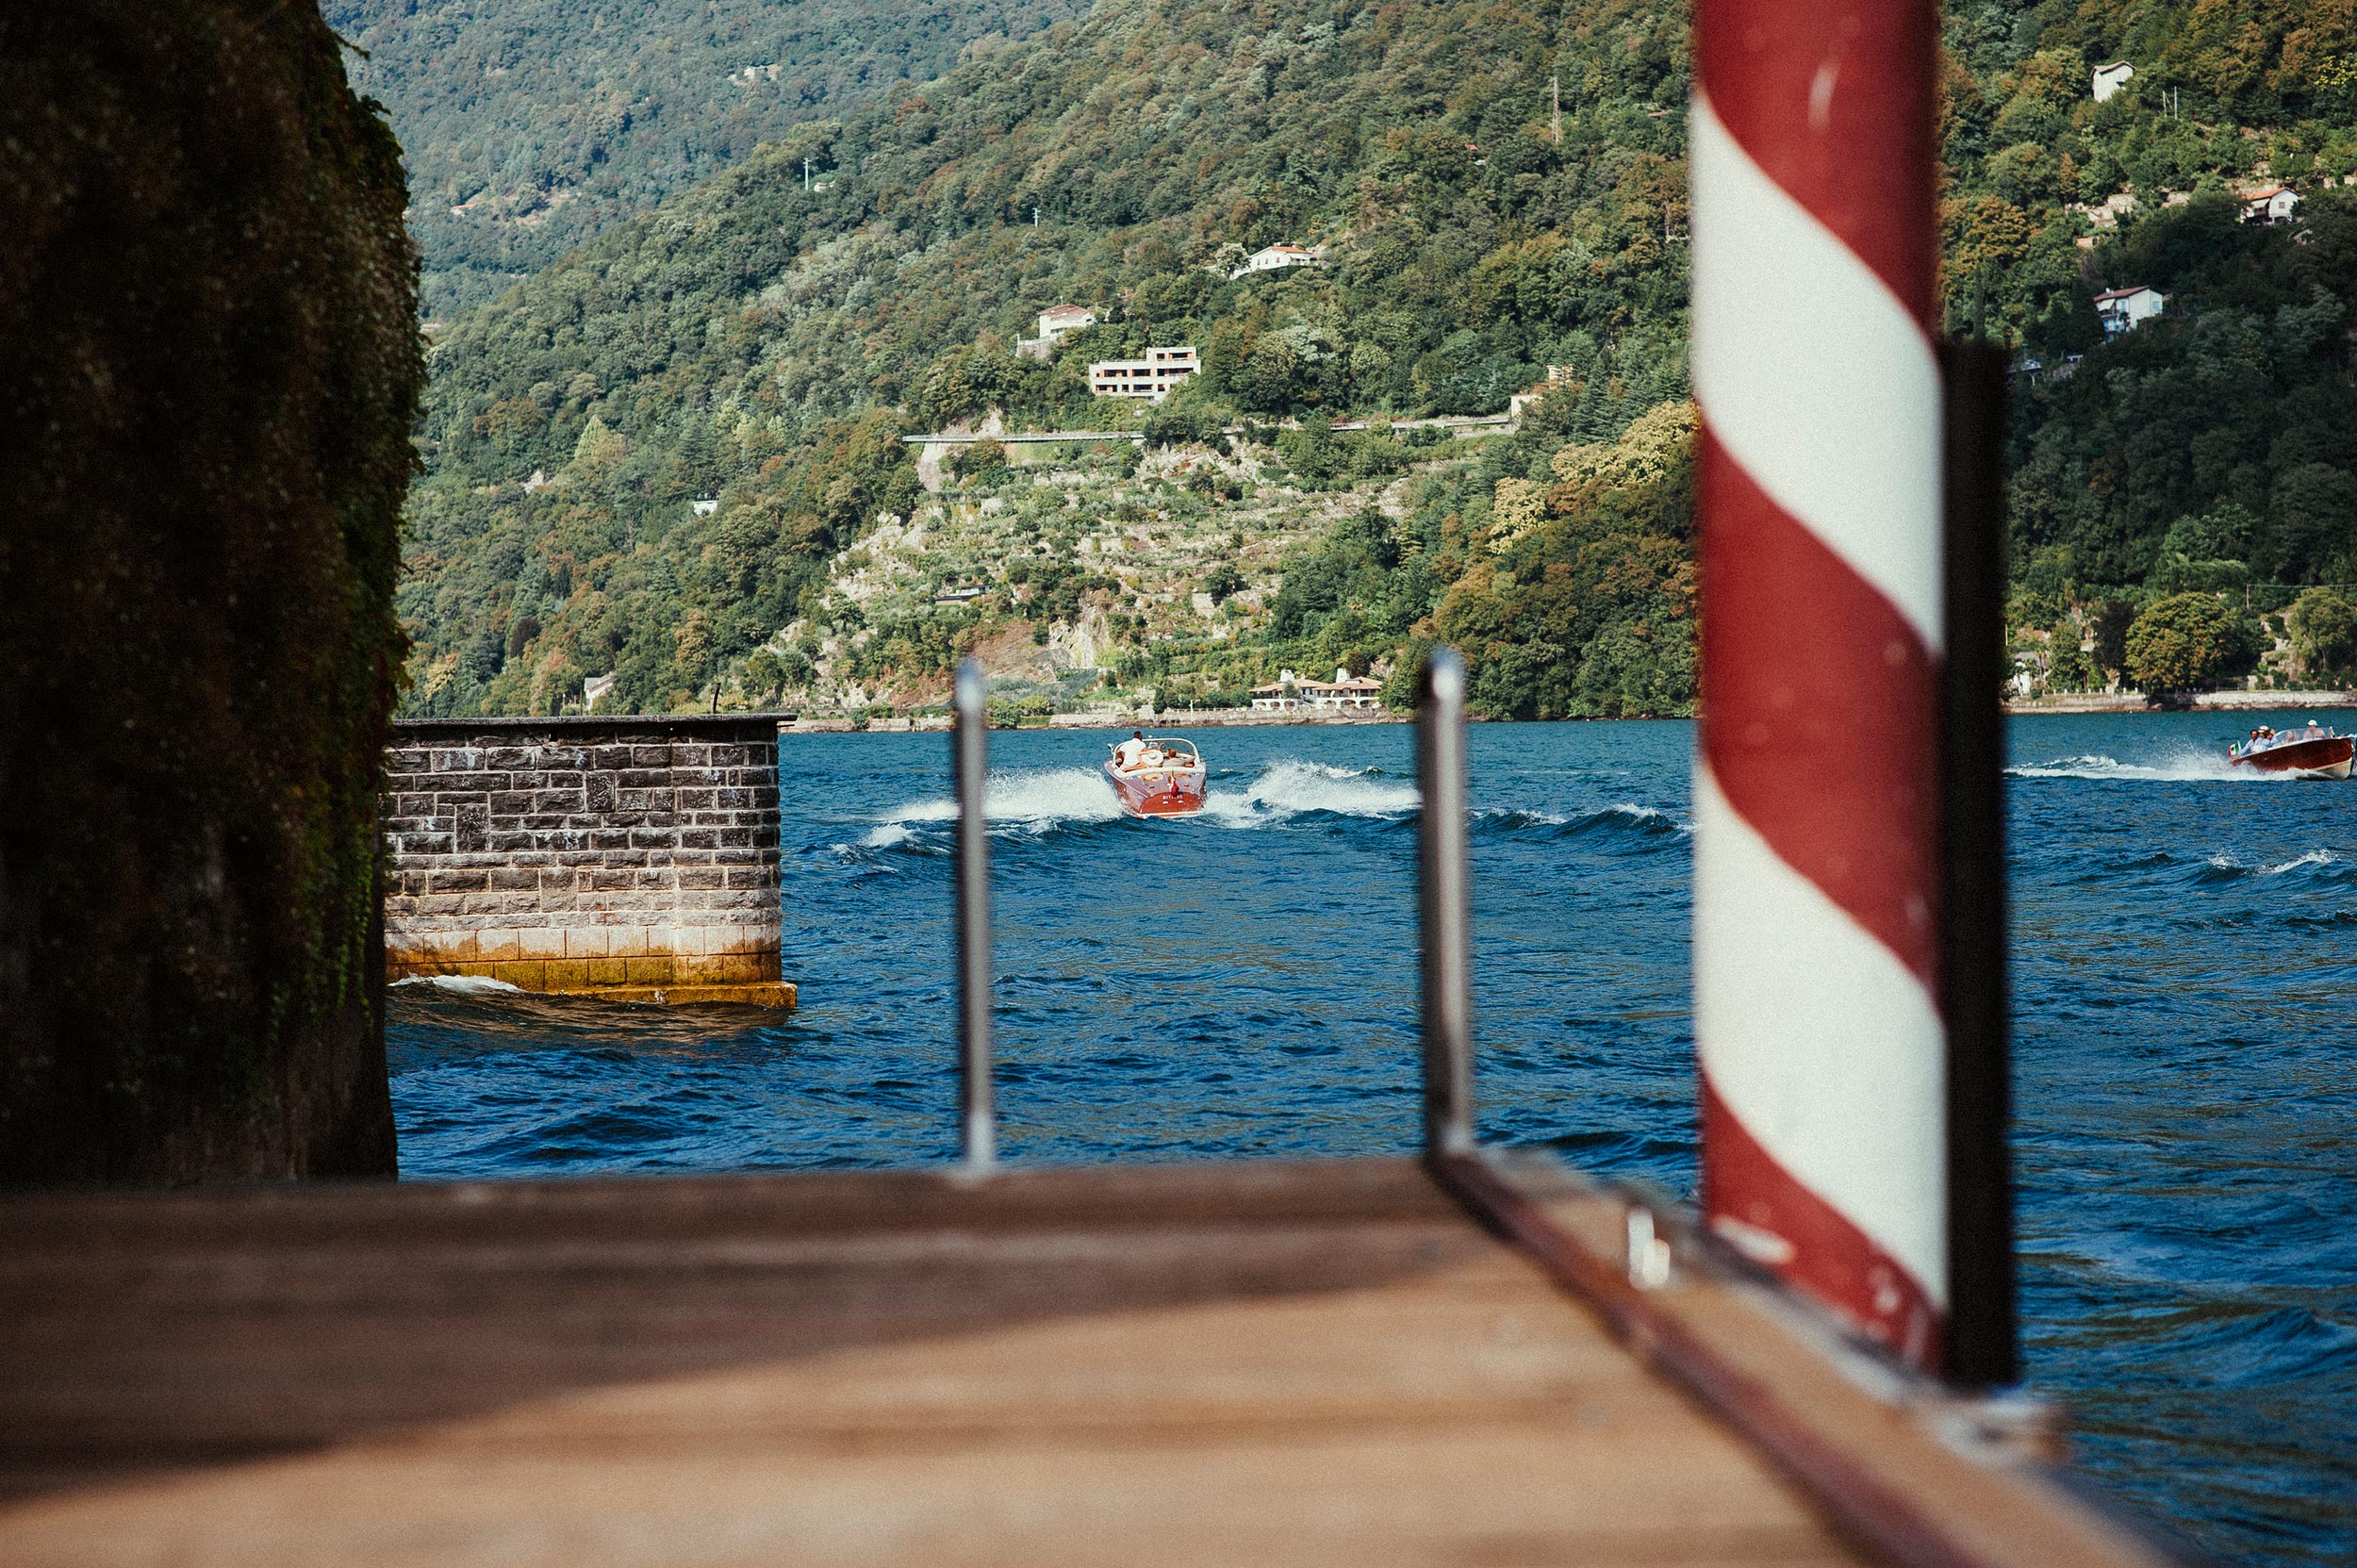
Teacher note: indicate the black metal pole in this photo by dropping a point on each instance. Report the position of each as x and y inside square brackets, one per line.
[970, 763]
[1445, 894]
[1983, 1349]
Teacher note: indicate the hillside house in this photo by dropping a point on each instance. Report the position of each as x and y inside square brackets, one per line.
[1054, 323]
[2111, 78]
[1274, 259]
[2269, 203]
[1152, 377]
[1530, 396]
[2125, 310]
[2107, 213]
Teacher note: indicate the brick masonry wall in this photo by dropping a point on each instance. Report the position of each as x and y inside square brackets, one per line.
[628, 858]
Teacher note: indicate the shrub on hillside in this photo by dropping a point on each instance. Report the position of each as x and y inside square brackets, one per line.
[980, 460]
[2187, 640]
[2323, 627]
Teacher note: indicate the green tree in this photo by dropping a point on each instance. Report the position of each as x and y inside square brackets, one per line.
[980, 460]
[2187, 640]
[1223, 580]
[2068, 667]
[763, 672]
[2323, 627]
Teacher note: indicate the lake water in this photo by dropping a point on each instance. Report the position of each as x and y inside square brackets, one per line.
[1244, 985]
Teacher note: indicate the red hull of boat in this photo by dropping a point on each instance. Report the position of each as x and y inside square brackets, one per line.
[2325, 758]
[1171, 794]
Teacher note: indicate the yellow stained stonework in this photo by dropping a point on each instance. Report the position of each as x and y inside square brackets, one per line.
[749, 977]
[633, 859]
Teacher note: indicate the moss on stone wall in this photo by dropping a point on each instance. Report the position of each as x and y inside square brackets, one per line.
[208, 373]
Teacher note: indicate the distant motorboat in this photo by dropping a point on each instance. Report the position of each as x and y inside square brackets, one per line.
[1165, 778]
[2314, 752]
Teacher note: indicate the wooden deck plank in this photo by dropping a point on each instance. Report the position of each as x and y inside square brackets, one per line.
[1243, 1191]
[1301, 1364]
[1480, 1497]
[1298, 1364]
[1891, 1459]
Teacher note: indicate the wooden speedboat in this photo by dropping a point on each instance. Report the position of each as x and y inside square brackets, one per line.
[1165, 778]
[2313, 752]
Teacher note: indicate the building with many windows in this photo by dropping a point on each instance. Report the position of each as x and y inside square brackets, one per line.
[1153, 376]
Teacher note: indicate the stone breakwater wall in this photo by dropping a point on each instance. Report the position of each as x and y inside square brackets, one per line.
[633, 859]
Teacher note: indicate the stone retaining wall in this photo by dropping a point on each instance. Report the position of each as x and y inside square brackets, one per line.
[635, 859]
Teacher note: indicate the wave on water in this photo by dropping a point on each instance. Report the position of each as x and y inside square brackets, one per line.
[1291, 788]
[2184, 766]
[463, 986]
[1037, 801]
[1032, 798]
[1621, 819]
[2316, 862]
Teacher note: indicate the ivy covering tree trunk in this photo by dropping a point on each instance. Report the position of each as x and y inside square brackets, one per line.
[208, 373]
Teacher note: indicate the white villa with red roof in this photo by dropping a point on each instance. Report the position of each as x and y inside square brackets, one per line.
[1290, 693]
[2269, 203]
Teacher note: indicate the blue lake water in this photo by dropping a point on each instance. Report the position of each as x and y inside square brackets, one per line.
[1244, 985]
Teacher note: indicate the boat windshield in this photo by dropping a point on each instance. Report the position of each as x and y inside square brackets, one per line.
[1159, 752]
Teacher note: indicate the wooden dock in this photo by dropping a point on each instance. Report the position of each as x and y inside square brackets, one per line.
[1353, 1362]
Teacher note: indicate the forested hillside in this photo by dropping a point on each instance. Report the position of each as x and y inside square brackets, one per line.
[2214, 448]
[529, 125]
[734, 343]
[765, 342]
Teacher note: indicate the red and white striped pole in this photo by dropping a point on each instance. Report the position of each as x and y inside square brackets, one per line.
[1817, 790]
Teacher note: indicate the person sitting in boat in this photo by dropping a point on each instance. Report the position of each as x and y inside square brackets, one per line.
[1126, 755]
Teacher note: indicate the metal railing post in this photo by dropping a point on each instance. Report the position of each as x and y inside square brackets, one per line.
[1983, 1343]
[970, 763]
[1444, 890]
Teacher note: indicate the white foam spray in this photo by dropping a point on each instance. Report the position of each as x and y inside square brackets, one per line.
[465, 985]
[2185, 766]
[1037, 798]
[1289, 786]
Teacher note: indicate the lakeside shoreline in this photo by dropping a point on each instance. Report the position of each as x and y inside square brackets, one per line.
[1208, 718]
[1229, 717]
[2200, 702]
